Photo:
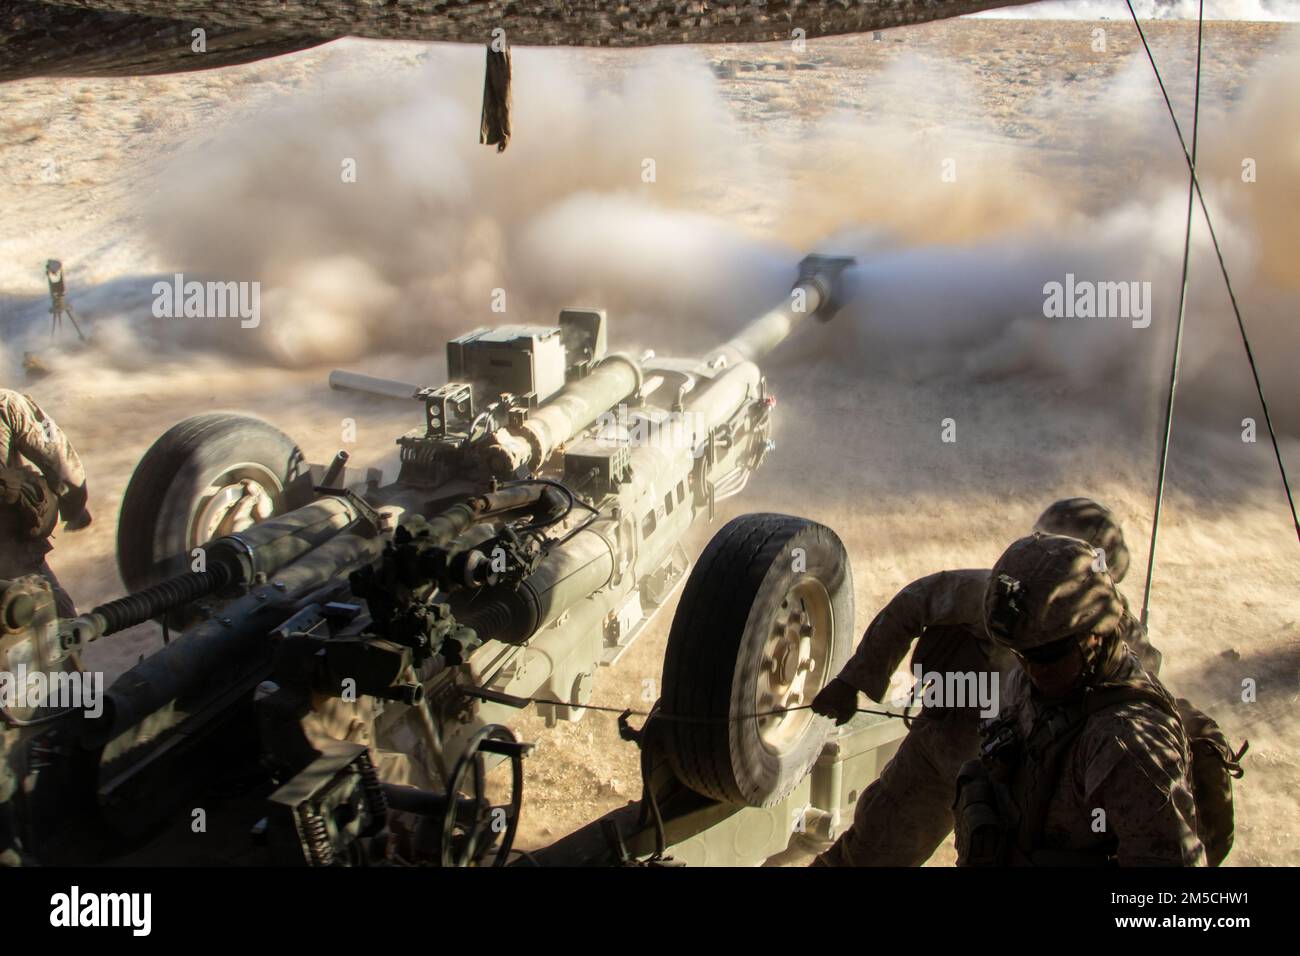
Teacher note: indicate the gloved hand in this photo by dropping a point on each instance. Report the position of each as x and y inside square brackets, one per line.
[77, 522]
[73, 502]
[837, 700]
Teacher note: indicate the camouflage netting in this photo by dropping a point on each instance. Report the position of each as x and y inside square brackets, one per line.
[139, 37]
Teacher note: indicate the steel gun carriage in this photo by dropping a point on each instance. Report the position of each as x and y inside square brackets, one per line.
[342, 657]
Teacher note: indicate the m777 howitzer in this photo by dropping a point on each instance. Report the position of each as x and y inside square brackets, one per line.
[343, 657]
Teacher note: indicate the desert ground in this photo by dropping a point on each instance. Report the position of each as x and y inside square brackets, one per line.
[964, 163]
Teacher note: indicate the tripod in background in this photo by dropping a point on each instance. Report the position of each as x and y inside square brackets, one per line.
[58, 300]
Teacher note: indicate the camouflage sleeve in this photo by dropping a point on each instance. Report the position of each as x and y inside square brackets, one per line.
[949, 597]
[26, 431]
[1135, 772]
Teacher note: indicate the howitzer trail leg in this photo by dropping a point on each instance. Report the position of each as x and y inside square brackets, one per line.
[901, 819]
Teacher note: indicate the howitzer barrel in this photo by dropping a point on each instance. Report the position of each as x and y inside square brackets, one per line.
[726, 393]
[814, 293]
[574, 407]
[580, 403]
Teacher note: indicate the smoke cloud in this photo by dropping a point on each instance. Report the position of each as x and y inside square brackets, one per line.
[643, 193]
[964, 181]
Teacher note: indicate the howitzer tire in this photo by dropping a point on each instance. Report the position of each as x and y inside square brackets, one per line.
[765, 620]
[196, 483]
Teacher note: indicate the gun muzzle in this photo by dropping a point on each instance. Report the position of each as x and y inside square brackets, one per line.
[816, 292]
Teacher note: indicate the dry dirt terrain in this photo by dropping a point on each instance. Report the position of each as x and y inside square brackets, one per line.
[965, 163]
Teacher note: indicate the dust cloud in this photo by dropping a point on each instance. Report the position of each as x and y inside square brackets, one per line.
[599, 199]
[412, 251]
[966, 165]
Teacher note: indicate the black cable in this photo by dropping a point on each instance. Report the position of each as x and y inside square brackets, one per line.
[1223, 269]
[542, 523]
[1163, 459]
[678, 718]
[577, 529]
[10, 719]
[568, 492]
[573, 499]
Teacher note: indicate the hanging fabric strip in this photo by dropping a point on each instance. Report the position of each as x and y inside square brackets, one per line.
[494, 126]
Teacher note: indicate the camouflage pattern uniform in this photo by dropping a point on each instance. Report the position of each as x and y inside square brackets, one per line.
[1128, 761]
[906, 813]
[29, 437]
[903, 816]
[1099, 774]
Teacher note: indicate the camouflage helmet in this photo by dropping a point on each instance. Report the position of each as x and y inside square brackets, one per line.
[1046, 588]
[1092, 522]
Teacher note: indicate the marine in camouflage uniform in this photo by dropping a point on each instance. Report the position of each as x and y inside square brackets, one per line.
[41, 480]
[1089, 763]
[904, 815]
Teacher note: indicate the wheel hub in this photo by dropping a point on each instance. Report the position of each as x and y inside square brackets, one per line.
[238, 498]
[795, 659]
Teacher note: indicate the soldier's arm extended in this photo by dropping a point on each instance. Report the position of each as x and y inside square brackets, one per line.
[29, 432]
[949, 597]
[1137, 775]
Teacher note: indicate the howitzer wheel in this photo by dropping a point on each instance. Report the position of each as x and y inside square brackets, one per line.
[765, 621]
[207, 476]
